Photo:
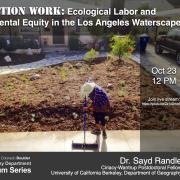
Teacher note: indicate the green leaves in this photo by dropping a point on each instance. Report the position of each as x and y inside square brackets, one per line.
[90, 56]
[122, 46]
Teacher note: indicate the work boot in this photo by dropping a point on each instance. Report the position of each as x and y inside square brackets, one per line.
[96, 132]
[104, 135]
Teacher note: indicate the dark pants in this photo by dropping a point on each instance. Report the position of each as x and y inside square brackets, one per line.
[100, 118]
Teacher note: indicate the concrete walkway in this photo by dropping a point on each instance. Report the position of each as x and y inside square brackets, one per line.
[118, 141]
[53, 58]
[50, 59]
[160, 141]
[125, 141]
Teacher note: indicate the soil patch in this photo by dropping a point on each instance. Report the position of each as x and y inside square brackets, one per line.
[157, 117]
[48, 102]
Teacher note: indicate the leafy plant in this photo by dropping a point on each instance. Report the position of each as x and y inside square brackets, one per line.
[82, 71]
[63, 73]
[134, 108]
[122, 93]
[122, 46]
[24, 78]
[24, 102]
[90, 56]
[122, 90]
[122, 83]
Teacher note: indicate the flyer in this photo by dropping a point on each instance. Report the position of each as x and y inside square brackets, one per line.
[89, 89]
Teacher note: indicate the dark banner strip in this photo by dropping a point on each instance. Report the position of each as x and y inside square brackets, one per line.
[83, 165]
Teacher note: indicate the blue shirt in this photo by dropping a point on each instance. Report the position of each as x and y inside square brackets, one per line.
[100, 99]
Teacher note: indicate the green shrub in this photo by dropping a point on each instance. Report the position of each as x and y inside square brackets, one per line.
[122, 46]
[90, 56]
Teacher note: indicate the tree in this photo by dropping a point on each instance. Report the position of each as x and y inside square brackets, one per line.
[122, 46]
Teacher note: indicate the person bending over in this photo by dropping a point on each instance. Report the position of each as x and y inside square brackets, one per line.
[98, 103]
